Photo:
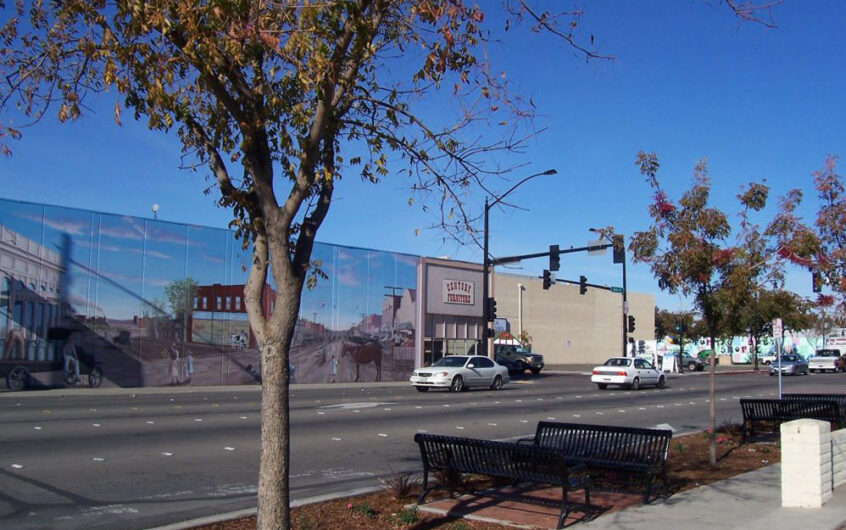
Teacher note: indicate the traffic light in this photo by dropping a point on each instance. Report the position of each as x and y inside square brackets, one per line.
[816, 280]
[491, 309]
[554, 258]
[582, 284]
[631, 323]
[547, 279]
[619, 249]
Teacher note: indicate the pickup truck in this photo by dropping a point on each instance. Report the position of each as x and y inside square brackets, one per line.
[518, 359]
[825, 361]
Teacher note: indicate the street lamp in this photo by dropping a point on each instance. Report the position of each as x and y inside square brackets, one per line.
[486, 261]
[610, 237]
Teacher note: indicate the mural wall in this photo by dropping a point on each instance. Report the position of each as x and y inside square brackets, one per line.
[153, 303]
[740, 349]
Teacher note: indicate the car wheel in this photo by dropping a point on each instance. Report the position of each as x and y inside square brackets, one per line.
[635, 384]
[691, 367]
[457, 384]
[422, 388]
[602, 386]
[17, 378]
[661, 382]
[536, 371]
[497, 383]
[772, 373]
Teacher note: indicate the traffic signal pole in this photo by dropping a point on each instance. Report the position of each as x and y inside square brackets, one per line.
[625, 308]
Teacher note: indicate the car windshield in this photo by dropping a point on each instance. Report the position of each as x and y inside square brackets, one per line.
[789, 358]
[618, 362]
[450, 361]
[828, 353]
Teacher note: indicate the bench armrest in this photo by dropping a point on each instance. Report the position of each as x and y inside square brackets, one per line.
[531, 440]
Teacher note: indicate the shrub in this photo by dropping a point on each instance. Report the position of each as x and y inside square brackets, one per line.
[400, 485]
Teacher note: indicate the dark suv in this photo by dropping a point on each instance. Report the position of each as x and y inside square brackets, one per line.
[518, 359]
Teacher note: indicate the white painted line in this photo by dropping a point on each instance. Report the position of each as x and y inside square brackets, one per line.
[244, 417]
[641, 408]
[167, 454]
[600, 413]
[722, 399]
[524, 421]
[336, 439]
[228, 448]
[446, 405]
[320, 412]
[198, 419]
[621, 411]
[356, 410]
[37, 428]
[95, 424]
[386, 409]
[496, 402]
[518, 401]
[550, 418]
[491, 424]
[540, 399]
[149, 422]
[660, 406]
[577, 415]
[418, 407]
[17, 466]
[98, 459]
[418, 430]
[579, 397]
[459, 427]
[383, 435]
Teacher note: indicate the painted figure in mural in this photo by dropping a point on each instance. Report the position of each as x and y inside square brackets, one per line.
[70, 361]
[188, 367]
[366, 353]
[173, 365]
[14, 337]
[333, 369]
[238, 341]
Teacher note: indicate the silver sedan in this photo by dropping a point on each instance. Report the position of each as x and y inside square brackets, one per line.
[790, 365]
[459, 372]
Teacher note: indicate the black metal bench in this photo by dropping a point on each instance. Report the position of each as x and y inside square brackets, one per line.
[777, 411]
[840, 399]
[632, 450]
[519, 463]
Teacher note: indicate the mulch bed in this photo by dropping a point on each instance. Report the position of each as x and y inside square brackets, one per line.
[687, 468]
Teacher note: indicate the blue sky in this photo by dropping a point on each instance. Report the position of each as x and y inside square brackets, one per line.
[689, 81]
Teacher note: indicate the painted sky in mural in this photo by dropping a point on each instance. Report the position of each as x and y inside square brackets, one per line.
[122, 265]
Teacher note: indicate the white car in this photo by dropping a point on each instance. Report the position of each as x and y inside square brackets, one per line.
[459, 372]
[628, 372]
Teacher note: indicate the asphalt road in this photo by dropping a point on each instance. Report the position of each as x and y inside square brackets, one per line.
[140, 459]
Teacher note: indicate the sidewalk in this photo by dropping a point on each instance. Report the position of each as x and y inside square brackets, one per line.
[750, 501]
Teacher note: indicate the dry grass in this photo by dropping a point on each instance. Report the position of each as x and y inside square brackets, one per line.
[687, 468]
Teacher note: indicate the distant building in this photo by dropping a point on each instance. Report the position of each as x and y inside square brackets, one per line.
[219, 315]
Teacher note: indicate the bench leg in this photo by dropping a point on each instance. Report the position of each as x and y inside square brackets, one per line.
[425, 484]
[648, 489]
[563, 515]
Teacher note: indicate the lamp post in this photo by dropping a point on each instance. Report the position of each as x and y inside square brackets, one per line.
[486, 261]
[602, 233]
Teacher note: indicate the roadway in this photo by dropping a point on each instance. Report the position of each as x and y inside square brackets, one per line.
[131, 459]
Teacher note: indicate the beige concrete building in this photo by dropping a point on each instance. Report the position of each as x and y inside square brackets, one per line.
[567, 327]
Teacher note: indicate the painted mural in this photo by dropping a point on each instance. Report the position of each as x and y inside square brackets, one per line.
[94, 298]
[740, 349]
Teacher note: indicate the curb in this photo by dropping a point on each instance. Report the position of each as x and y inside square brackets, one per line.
[248, 512]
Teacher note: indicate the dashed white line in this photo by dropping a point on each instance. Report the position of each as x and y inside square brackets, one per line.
[459, 427]
[577, 415]
[383, 435]
[98, 459]
[17, 466]
[165, 453]
[336, 439]
[95, 424]
[228, 448]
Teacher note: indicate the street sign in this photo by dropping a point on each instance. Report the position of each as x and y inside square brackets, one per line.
[595, 248]
[778, 328]
[616, 289]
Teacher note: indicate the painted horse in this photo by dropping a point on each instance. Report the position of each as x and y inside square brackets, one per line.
[365, 353]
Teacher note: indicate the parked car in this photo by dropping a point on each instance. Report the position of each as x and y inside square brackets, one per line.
[692, 363]
[705, 356]
[767, 359]
[627, 372]
[459, 372]
[825, 360]
[518, 359]
[790, 365]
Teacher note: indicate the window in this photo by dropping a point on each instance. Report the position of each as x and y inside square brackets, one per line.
[238, 303]
[196, 302]
[483, 362]
[228, 300]
[205, 302]
[218, 304]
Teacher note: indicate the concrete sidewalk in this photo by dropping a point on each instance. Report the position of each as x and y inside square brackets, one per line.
[749, 501]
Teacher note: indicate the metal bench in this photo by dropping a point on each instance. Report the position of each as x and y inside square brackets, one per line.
[778, 411]
[840, 399]
[632, 450]
[520, 463]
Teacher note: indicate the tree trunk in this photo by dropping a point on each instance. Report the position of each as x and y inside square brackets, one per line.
[273, 490]
[712, 393]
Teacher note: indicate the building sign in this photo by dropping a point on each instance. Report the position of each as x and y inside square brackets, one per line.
[458, 292]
